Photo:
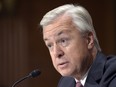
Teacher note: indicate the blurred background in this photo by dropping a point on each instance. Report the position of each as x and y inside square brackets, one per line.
[22, 48]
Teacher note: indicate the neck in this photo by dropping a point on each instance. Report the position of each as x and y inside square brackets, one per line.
[86, 64]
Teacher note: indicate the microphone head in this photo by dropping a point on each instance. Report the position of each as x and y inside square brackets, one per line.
[35, 73]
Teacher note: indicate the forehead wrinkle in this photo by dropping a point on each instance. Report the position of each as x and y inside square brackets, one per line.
[62, 32]
[65, 19]
[59, 33]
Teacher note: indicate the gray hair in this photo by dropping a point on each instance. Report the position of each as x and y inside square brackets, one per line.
[81, 18]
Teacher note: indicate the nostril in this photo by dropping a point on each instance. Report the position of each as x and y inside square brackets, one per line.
[60, 55]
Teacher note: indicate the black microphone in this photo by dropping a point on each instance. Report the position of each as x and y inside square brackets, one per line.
[33, 74]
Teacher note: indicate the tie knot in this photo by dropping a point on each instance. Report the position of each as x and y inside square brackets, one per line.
[78, 84]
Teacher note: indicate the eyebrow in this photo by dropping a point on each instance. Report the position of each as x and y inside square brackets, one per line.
[59, 33]
[63, 31]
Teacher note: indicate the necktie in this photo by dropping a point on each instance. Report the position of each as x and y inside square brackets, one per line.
[78, 84]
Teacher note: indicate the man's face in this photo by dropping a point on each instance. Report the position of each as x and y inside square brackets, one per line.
[69, 50]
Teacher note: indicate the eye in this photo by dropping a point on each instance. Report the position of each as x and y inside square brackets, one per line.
[49, 46]
[64, 41]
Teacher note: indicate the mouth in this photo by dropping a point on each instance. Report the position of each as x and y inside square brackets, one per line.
[63, 65]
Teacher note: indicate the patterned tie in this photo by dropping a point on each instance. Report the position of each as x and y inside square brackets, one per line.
[78, 84]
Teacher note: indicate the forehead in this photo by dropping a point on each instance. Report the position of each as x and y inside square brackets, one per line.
[61, 20]
[54, 34]
[62, 24]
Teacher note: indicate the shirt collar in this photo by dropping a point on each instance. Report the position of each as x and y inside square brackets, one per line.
[83, 80]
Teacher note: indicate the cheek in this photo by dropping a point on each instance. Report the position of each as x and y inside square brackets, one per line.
[73, 56]
[76, 53]
[53, 60]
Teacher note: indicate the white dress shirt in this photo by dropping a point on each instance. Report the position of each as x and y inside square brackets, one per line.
[83, 80]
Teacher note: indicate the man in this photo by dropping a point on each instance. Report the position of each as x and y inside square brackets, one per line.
[69, 34]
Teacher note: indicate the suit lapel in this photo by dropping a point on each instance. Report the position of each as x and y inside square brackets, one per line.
[67, 82]
[96, 71]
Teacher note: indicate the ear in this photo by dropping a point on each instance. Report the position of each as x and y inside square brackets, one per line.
[90, 39]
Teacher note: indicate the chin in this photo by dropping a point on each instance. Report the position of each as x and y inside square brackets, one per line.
[65, 73]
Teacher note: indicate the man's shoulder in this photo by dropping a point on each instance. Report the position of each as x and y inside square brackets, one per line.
[109, 74]
[103, 71]
[111, 58]
[110, 62]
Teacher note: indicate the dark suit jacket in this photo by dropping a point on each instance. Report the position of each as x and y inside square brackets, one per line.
[101, 74]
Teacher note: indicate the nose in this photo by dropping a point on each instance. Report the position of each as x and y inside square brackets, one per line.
[58, 52]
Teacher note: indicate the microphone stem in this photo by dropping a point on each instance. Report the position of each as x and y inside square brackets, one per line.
[21, 79]
[33, 74]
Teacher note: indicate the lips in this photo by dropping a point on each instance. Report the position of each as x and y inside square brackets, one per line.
[63, 65]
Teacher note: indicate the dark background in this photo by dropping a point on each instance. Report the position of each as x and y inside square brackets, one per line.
[22, 48]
